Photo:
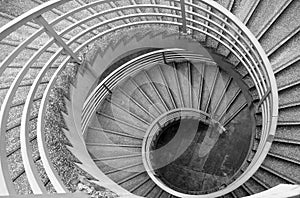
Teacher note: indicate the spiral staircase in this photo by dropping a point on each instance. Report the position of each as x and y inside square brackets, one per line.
[162, 98]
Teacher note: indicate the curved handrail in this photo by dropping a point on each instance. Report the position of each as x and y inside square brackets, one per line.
[57, 183]
[28, 16]
[151, 134]
[230, 32]
[4, 113]
[136, 64]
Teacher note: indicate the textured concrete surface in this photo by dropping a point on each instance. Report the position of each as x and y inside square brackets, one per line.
[264, 12]
[286, 23]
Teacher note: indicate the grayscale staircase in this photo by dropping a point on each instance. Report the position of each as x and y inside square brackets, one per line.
[115, 138]
[188, 55]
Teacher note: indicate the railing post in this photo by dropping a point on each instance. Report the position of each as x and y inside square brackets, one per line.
[51, 32]
[183, 15]
[263, 98]
[107, 89]
[164, 57]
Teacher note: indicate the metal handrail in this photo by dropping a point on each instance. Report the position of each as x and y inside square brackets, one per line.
[239, 40]
[111, 80]
[152, 132]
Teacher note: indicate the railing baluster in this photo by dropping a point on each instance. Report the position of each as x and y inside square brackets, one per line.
[51, 32]
[120, 13]
[263, 98]
[70, 19]
[93, 11]
[183, 15]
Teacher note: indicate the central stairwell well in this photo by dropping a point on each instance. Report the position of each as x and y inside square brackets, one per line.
[190, 91]
[144, 91]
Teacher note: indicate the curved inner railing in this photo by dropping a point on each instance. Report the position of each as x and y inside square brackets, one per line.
[152, 134]
[133, 66]
[62, 36]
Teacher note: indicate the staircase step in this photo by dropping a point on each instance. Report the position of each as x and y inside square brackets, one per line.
[282, 157]
[99, 135]
[232, 92]
[184, 79]
[115, 168]
[142, 187]
[241, 69]
[222, 50]
[289, 97]
[112, 120]
[240, 192]
[289, 114]
[157, 76]
[155, 87]
[286, 149]
[233, 60]
[208, 86]
[138, 94]
[255, 185]
[197, 70]
[120, 110]
[133, 102]
[143, 83]
[287, 141]
[244, 8]
[168, 71]
[112, 149]
[287, 25]
[289, 75]
[155, 192]
[264, 12]
[210, 42]
[281, 170]
[268, 178]
[133, 180]
[233, 109]
[222, 83]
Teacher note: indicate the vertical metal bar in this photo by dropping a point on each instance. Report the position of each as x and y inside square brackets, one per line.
[107, 89]
[51, 32]
[164, 57]
[263, 98]
[183, 15]
[190, 85]
[93, 12]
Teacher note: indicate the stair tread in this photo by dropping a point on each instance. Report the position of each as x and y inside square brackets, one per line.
[263, 13]
[286, 24]
[242, 8]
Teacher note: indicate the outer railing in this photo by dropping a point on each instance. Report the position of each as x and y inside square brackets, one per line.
[93, 24]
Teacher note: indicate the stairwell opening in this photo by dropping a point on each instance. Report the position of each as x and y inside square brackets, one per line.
[201, 156]
[221, 144]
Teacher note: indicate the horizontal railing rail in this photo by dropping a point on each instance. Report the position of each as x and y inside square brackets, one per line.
[51, 44]
[151, 135]
[128, 69]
